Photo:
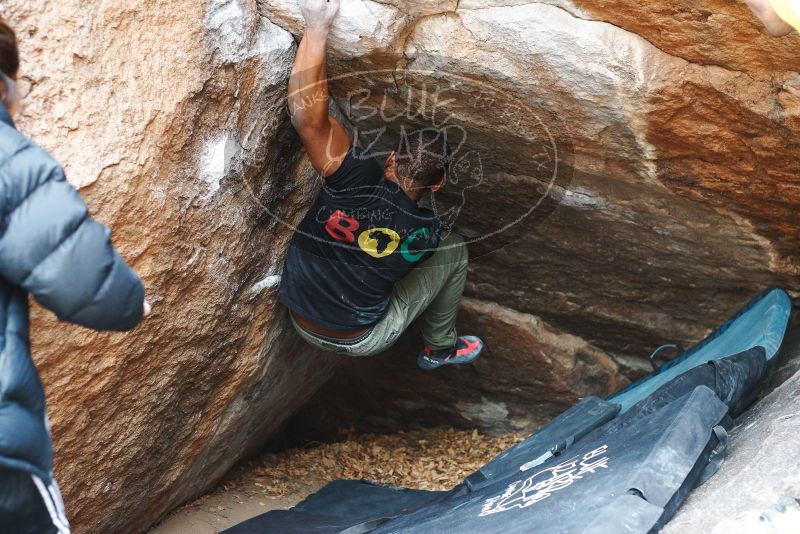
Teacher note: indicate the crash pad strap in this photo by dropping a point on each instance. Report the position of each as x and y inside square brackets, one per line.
[555, 450]
[716, 456]
[677, 346]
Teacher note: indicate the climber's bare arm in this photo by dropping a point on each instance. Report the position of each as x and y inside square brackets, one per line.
[325, 140]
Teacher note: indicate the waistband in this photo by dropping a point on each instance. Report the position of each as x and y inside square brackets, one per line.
[334, 340]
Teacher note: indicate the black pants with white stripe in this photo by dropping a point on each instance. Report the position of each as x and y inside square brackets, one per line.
[28, 506]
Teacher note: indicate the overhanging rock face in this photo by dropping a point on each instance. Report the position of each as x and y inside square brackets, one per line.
[670, 201]
[675, 199]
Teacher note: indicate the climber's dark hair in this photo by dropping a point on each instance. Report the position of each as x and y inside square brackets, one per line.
[9, 52]
[423, 156]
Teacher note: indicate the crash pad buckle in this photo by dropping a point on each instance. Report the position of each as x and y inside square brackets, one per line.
[558, 448]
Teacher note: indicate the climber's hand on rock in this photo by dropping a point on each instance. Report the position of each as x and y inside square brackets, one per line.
[319, 14]
[146, 309]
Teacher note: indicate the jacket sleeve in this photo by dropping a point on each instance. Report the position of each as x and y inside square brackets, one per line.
[50, 247]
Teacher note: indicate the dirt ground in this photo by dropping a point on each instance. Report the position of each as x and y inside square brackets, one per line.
[430, 459]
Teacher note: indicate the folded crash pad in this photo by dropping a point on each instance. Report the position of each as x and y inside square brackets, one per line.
[735, 380]
[761, 323]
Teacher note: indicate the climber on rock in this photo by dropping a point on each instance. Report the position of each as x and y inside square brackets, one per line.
[367, 259]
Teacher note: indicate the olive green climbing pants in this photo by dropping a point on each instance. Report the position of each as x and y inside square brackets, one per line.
[435, 287]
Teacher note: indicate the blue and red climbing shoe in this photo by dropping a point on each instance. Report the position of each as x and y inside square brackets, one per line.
[466, 350]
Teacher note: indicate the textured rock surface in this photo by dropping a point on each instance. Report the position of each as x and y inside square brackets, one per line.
[678, 183]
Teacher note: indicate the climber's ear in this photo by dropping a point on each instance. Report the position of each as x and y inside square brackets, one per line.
[390, 168]
[440, 185]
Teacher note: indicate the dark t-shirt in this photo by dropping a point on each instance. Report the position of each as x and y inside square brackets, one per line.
[361, 236]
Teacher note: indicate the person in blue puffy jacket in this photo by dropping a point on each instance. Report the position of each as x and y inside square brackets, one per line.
[51, 249]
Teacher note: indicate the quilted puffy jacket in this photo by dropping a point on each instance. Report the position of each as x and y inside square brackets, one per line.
[49, 248]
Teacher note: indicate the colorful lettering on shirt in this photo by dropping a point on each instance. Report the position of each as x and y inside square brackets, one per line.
[377, 242]
[341, 227]
[374, 243]
[407, 254]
